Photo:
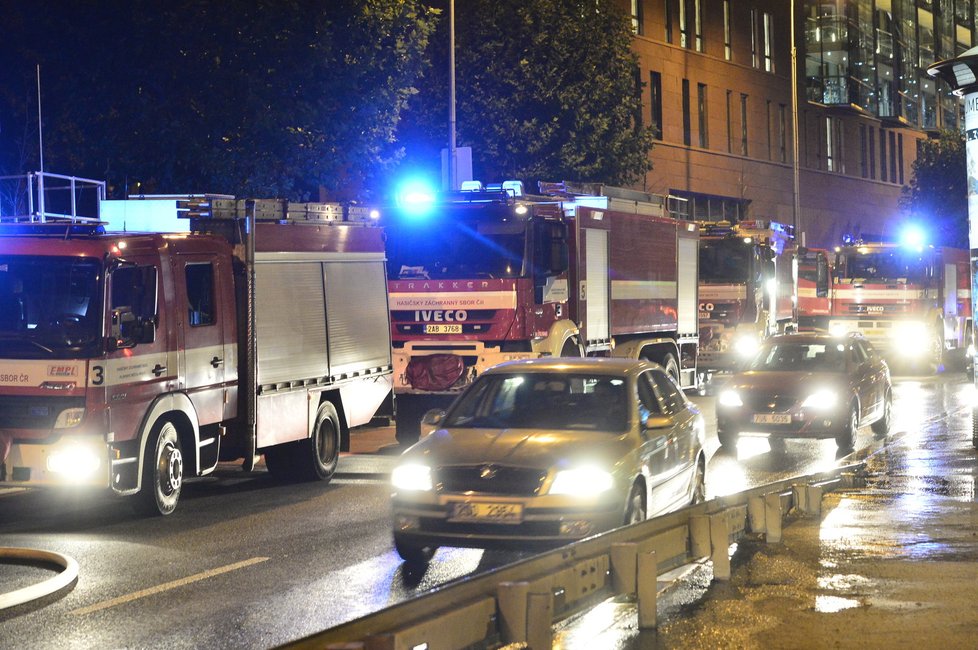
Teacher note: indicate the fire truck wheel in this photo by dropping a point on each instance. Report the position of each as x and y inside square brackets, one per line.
[846, 439]
[320, 453]
[882, 426]
[162, 472]
[413, 553]
[974, 427]
[671, 367]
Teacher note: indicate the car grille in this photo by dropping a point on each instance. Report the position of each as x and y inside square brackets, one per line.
[491, 479]
[526, 529]
[763, 403]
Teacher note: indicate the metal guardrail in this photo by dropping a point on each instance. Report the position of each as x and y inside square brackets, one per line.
[519, 603]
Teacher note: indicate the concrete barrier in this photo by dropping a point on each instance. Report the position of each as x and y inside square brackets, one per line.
[519, 603]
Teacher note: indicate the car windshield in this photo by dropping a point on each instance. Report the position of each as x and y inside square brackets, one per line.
[543, 401]
[801, 356]
[50, 307]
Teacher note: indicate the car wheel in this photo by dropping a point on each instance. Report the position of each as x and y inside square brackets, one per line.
[882, 426]
[414, 553]
[727, 438]
[699, 484]
[635, 508]
[846, 439]
[162, 472]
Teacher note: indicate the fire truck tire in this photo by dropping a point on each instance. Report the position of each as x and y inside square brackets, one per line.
[407, 420]
[413, 553]
[882, 426]
[571, 349]
[312, 459]
[974, 427]
[162, 472]
[671, 367]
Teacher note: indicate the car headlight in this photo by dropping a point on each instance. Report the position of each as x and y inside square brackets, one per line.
[730, 398]
[746, 345]
[412, 477]
[821, 400]
[75, 460]
[582, 482]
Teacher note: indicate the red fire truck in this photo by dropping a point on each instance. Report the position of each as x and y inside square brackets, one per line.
[747, 288]
[132, 361]
[814, 295]
[912, 301]
[486, 275]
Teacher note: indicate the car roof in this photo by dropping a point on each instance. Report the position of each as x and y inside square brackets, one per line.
[815, 337]
[596, 365]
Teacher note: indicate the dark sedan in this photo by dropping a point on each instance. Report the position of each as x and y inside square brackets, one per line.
[808, 386]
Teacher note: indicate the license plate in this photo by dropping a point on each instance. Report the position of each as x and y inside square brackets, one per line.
[771, 418]
[493, 513]
[443, 329]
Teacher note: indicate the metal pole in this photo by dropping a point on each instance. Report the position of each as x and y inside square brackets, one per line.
[40, 146]
[795, 164]
[452, 152]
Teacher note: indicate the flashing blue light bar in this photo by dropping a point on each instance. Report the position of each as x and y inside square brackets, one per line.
[912, 237]
[416, 197]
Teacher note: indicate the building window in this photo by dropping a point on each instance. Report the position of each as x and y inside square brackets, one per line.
[637, 27]
[698, 23]
[768, 35]
[683, 36]
[769, 120]
[655, 102]
[743, 125]
[893, 165]
[900, 156]
[834, 143]
[872, 152]
[883, 175]
[729, 124]
[863, 152]
[687, 123]
[782, 133]
[668, 14]
[753, 38]
[703, 122]
[726, 30]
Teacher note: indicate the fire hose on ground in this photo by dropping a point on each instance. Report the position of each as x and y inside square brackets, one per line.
[66, 578]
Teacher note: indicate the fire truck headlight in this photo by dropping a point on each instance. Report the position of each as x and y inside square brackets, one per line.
[837, 329]
[746, 345]
[75, 460]
[69, 418]
[909, 336]
[412, 477]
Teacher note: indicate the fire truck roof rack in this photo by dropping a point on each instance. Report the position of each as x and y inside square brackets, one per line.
[227, 207]
[619, 198]
[46, 198]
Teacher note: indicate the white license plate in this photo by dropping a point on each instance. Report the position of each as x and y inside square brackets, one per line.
[771, 418]
[443, 329]
[493, 513]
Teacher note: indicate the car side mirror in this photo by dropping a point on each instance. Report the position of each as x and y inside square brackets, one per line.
[654, 422]
[431, 420]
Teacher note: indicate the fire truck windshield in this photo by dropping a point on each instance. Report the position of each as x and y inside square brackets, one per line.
[725, 260]
[50, 307]
[455, 250]
[888, 264]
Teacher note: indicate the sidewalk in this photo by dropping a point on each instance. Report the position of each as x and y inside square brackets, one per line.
[893, 565]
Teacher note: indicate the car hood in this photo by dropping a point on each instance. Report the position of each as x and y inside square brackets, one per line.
[776, 382]
[523, 447]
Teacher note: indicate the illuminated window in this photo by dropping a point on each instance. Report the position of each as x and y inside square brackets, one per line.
[637, 27]
[726, 30]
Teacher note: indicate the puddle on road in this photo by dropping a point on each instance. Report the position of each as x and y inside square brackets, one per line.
[832, 604]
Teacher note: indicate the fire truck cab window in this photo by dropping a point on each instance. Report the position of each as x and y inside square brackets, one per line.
[726, 260]
[200, 294]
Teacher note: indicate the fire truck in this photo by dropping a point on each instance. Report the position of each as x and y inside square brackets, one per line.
[489, 274]
[133, 360]
[747, 289]
[912, 301]
[814, 295]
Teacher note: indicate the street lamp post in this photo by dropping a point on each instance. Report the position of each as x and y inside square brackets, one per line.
[796, 184]
[961, 73]
[452, 150]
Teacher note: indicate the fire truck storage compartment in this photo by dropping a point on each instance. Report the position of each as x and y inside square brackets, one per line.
[319, 320]
[688, 289]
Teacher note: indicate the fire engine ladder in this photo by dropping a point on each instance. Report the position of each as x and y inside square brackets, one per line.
[42, 197]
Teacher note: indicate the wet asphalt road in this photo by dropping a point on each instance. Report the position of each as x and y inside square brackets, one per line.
[246, 562]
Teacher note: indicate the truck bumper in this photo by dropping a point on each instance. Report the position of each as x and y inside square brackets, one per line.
[70, 461]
